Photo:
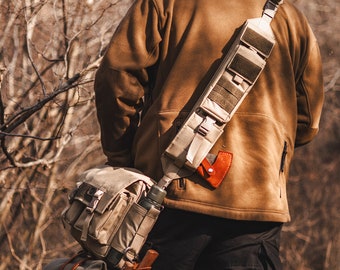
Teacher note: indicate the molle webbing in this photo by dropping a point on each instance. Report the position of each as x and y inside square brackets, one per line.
[234, 78]
[241, 71]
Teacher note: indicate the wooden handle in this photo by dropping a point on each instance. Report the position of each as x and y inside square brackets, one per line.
[149, 258]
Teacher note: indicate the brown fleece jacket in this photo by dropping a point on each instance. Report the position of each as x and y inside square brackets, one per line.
[158, 62]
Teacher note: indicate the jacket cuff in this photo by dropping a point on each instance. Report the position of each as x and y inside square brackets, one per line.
[304, 135]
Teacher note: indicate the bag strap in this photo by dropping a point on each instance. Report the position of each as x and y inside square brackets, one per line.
[234, 78]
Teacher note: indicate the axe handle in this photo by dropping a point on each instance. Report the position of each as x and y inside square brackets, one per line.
[149, 258]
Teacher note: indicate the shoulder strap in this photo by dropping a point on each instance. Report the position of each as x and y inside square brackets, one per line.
[236, 75]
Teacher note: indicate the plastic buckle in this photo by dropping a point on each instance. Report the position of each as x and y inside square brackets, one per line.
[96, 195]
[205, 126]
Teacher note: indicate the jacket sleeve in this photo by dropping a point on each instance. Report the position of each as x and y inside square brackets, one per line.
[122, 80]
[310, 93]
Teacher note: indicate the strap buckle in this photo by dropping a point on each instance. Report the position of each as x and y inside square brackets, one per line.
[96, 195]
[204, 128]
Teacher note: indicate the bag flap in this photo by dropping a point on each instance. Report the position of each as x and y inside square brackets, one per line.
[113, 180]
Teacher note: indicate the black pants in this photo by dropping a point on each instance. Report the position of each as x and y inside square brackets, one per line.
[189, 241]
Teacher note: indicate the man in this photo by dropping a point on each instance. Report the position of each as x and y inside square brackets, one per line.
[157, 64]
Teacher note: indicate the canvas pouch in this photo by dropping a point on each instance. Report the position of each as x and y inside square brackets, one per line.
[104, 215]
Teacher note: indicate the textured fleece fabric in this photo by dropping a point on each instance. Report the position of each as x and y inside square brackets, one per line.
[158, 62]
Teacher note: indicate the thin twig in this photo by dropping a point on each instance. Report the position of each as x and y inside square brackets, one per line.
[43, 161]
[23, 115]
[330, 86]
[28, 136]
[28, 51]
[2, 107]
[10, 244]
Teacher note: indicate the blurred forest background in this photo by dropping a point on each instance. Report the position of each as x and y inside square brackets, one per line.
[49, 51]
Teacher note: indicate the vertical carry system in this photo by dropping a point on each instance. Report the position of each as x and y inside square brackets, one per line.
[233, 80]
[113, 209]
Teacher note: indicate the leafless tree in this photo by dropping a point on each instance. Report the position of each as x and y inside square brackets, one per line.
[48, 131]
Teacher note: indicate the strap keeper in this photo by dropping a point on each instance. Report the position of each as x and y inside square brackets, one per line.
[202, 131]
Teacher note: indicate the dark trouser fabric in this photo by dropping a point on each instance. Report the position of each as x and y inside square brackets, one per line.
[190, 241]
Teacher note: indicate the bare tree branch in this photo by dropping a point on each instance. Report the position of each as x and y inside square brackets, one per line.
[331, 85]
[23, 115]
[29, 32]
[2, 107]
[28, 136]
[22, 263]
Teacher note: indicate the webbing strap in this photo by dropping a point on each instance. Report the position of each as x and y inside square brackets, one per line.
[236, 75]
